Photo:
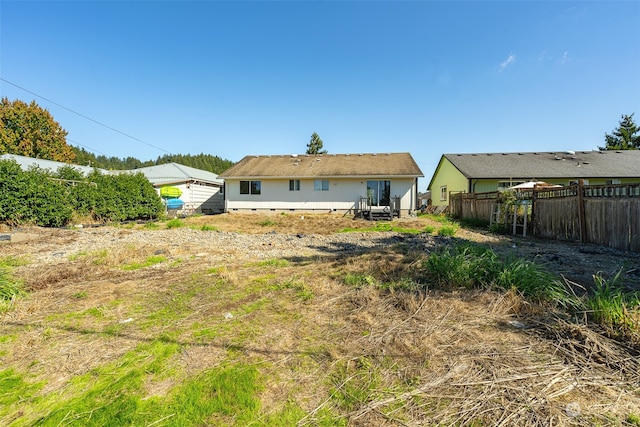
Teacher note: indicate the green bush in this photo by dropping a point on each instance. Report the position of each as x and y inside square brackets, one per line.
[31, 197]
[41, 198]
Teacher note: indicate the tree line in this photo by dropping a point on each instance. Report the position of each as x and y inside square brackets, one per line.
[201, 161]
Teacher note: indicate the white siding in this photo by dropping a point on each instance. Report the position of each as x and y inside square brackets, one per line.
[343, 195]
[200, 198]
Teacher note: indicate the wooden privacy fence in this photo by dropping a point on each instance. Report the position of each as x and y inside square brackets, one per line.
[605, 215]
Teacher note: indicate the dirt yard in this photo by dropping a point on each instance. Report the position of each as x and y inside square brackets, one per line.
[450, 357]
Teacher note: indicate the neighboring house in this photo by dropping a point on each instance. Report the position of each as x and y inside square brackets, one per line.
[201, 191]
[26, 163]
[321, 182]
[480, 173]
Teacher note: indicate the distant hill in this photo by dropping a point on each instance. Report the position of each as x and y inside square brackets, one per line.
[202, 161]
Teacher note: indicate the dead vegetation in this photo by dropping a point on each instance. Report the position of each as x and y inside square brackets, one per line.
[366, 355]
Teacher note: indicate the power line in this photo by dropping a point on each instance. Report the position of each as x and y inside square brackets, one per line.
[85, 117]
[88, 148]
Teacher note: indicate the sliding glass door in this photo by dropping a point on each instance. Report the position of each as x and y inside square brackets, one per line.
[379, 192]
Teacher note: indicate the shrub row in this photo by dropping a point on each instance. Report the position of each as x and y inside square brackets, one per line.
[49, 199]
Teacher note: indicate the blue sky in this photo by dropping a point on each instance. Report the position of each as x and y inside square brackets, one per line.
[239, 78]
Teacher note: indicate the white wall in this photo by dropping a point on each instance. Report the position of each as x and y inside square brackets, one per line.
[343, 195]
[200, 198]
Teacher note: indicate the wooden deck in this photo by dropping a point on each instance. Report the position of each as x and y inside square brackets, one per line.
[374, 213]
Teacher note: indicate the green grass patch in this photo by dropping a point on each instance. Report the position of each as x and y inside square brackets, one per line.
[114, 394]
[152, 260]
[429, 229]
[633, 419]
[222, 396]
[12, 261]
[10, 289]
[383, 226]
[174, 223]
[610, 305]
[267, 223]
[170, 307]
[301, 289]
[354, 383]
[359, 280]
[217, 269]
[206, 227]
[447, 230]
[436, 217]
[151, 226]
[14, 389]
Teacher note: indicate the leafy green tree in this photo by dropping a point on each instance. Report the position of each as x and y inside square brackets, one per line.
[625, 137]
[315, 145]
[29, 130]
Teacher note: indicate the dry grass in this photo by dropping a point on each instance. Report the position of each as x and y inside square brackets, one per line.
[371, 355]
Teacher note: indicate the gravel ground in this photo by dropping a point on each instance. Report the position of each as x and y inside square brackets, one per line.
[53, 246]
[576, 262]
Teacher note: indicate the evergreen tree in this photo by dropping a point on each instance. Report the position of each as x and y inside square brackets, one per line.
[202, 161]
[315, 145]
[625, 137]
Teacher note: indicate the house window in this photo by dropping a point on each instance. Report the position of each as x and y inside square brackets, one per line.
[379, 192]
[249, 187]
[294, 185]
[612, 181]
[503, 185]
[321, 185]
[576, 182]
[443, 193]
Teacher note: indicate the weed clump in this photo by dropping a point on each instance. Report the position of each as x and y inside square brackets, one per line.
[478, 267]
[611, 306]
[10, 289]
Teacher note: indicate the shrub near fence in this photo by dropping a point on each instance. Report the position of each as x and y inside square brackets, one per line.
[605, 215]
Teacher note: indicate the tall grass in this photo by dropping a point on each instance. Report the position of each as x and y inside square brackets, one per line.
[10, 288]
[475, 266]
[613, 307]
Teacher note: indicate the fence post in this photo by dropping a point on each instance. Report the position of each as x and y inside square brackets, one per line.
[581, 216]
[534, 195]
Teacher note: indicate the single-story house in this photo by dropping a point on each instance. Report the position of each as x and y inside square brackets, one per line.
[199, 190]
[322, 182]
[486, 172]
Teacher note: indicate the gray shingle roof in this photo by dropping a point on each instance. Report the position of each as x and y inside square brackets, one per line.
[175, 172]
[160, 174]
[27, 162]
[579, 164]
[327, 165]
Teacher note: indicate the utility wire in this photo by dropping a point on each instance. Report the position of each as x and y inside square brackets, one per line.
[85, 117]
[88, 148]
